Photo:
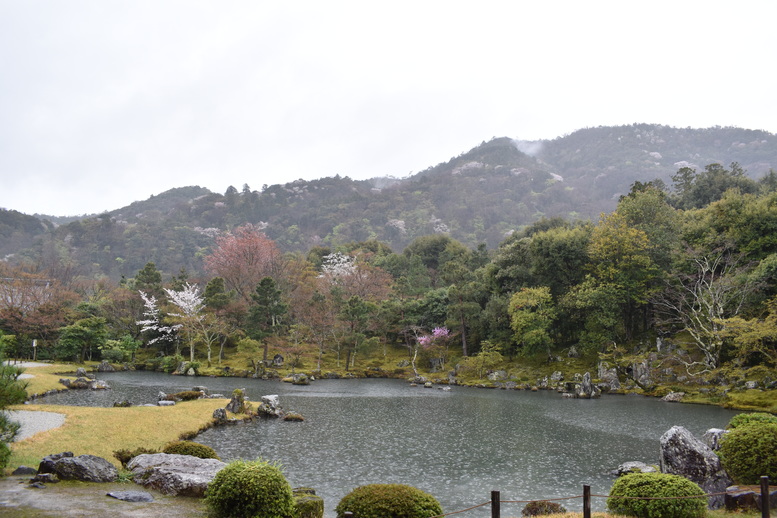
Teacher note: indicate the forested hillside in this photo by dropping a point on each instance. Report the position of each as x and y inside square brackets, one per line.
[478, 197]
[675, 284]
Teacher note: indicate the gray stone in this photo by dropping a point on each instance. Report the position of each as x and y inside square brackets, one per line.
[87, 468]
[685, 455]
[99, 385]
[640, 372]
[751, 384]
[220, 415]
[556, 376]
[105, 367]
[300, 379]
[608, 375]
[712, 438]
[131, 496]
[172, 474]
[270, 406]
[497, 375]
[236, 405]
[748, 498]
[674, 397]
[165, 403]
[633, 467]
[24, 470]
[586, 389]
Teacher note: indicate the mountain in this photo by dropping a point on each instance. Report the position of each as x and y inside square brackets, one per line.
[477, 197]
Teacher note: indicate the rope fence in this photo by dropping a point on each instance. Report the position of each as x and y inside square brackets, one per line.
[496, 502]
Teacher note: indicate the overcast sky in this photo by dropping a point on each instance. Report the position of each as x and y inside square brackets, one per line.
[106, 102]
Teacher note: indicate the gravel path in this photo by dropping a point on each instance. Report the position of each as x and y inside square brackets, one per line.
[34, 421]
[31, 421]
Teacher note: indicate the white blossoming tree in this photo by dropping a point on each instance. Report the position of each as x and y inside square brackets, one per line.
[152, 323]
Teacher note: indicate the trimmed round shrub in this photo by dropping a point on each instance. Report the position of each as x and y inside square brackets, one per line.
[254, 489]
[754, 417]
[388, 500]
[656, 485]
[749, 452]
[542, 507]
[192, 448]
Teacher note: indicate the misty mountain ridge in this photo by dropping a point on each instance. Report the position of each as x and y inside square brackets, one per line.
[480, 196]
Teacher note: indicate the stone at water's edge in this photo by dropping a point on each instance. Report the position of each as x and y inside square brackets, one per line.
[685, 455]
[87, 468]
[173, 474]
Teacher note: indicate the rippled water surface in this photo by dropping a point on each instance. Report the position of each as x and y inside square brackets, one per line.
[458, 445]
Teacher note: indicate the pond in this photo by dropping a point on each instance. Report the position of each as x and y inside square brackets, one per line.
[458, 445]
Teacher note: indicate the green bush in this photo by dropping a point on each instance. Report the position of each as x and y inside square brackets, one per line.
[307, 504]
[746, 419]
[388, 500]
[194, 449]
[656, 485]
[541, 507]
[254, 489]
[749, 452]
[124, 456]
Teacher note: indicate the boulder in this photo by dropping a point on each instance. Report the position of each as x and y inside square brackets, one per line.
[105, 367]
[586, 389]
[237, 404]
[24, 470]
[81, 373]
[87, 468]
[748, 498]
[685, 455]
[220, 415]
[99, 385]
[165, 403]
[557, 376]
[674, 397]
[270, 406]
[173, 474]
[300, 379]
[712, 438]
[131, 496]
[497, 375]
[633, 467]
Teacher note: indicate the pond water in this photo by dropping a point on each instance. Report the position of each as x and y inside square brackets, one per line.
[458, 445]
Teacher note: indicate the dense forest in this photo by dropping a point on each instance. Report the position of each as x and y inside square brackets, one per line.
[680, 274]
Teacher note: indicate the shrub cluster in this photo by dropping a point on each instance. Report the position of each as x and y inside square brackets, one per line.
[656, 485]
[384, 500]
[749, 451]
[124, 456]
[250, 488]
[541, 507]
[192, 448]
[746, 419]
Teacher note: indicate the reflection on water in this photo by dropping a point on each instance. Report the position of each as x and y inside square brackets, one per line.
[458, 445]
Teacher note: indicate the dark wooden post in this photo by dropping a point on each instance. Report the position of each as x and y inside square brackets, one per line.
[495, 511]
[765, 497]
[586, 501]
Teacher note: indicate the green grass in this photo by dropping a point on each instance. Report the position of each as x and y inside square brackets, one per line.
[101, 431]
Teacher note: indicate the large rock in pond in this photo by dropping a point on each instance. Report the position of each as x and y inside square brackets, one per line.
[685, 455]
[87, 468]
[173, 474]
